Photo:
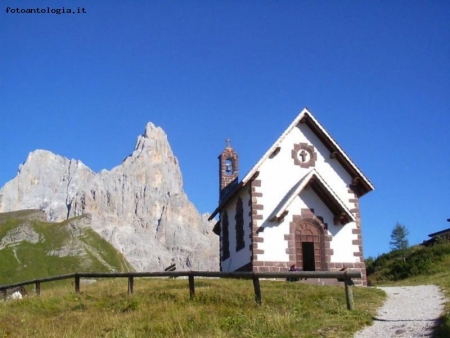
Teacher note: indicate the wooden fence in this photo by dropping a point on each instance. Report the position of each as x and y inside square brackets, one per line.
[344, 276]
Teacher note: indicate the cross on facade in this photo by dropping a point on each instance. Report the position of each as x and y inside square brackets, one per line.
[303, 155]
[228, 141]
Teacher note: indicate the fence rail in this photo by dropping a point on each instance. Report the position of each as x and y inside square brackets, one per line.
[345, 276]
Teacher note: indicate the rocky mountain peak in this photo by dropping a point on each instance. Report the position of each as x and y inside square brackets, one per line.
[139, 206]
[151, 130]
[152, 136]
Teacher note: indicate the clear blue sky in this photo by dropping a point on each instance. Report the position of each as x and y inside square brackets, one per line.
[376, 74]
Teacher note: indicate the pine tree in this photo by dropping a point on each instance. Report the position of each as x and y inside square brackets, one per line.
[399, 240]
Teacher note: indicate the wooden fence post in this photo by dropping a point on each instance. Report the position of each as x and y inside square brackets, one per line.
[191, 287]
[130, 285]
[257, 288]
[37, 288]
[341, 276]
[77, 283]
[349, 293]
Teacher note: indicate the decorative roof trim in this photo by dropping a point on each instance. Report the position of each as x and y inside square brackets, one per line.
[306, 117]
[344, 216]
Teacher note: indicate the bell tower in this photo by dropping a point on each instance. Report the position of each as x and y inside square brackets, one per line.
[228, 170]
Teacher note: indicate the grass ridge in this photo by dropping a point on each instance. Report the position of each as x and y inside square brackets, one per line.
[33, 248]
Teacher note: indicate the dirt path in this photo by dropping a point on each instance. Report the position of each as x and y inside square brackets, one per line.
[409, 311]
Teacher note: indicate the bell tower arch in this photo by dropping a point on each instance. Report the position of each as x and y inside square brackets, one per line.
[228, 169]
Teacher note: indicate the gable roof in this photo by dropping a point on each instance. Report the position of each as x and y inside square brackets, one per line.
[305, 116]
[442, 232]
[342, 215]
[335, 150]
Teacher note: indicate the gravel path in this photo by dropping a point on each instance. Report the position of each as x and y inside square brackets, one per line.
[409, 311]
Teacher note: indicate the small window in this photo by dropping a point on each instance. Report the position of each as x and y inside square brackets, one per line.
[229, 167]
[239, 217]
[225, 236]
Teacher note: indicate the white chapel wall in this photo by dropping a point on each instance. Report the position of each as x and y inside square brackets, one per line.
[279, 175]
[241, 257]
[342, 235]
[330, 169]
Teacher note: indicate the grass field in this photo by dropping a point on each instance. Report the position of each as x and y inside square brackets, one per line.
[162, 308]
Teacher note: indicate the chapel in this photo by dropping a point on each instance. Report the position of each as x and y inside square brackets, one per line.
[299, 204]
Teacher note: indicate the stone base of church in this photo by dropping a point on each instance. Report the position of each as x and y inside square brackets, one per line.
[267, 266]
[361, 267]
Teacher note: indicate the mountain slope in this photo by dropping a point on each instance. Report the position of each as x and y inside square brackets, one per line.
[414, 262]
[32, 248]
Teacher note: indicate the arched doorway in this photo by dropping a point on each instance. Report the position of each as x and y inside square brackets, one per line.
[309, 246]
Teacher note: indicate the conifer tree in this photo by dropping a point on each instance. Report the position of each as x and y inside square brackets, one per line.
[399, 237]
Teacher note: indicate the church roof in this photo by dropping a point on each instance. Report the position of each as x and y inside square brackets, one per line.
[342, 215]
[335, 150]
[305, 116]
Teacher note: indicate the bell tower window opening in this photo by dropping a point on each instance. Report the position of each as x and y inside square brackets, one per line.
[229, 167]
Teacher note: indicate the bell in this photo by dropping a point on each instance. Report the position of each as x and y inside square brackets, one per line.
[228, 167]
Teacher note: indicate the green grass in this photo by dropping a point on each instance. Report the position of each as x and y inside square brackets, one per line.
[415, 261]
[27, 261]
[162, 308]
[30, 214]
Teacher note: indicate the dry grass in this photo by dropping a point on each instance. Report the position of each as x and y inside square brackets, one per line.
[162, 308]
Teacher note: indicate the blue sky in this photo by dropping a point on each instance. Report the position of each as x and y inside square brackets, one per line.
[376, 74]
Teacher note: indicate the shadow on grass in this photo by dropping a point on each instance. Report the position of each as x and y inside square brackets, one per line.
[442, 328]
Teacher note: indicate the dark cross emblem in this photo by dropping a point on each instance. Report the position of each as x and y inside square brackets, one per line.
[228, 141]
[303, 155]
